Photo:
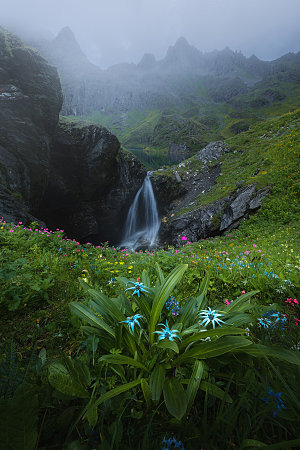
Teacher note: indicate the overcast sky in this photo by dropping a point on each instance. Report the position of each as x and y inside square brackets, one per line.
[112, 31]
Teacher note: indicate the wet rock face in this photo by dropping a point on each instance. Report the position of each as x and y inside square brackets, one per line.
[30, 101]
[91, 183]
[181, 193]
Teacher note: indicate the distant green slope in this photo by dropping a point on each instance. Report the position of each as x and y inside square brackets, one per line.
[267, 154]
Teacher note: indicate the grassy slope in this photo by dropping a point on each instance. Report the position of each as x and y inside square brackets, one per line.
[267, 154]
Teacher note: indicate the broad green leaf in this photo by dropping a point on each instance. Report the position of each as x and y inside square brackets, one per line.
[215, 391]
[60, 378]
[283, 354]
[162, 295]
[249, 443]
[175, 397]
[120, 359]
[92, 415]
[146, 391]
[145, 278]
[239, 319]
[167, 344]
[252, 443]
[237, 304]
[160, 274]
[85, 313]
[194, 383]
[220, 331]
[212, 349]
[156, 381]
[116, 391]
[107, 305]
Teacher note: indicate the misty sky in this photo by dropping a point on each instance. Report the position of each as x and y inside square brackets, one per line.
[112, 31]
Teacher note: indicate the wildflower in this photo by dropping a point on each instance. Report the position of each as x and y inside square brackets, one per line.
[184, 238]
[137, 288]
[132, 321]
[273, 319]
[227, 302]
[168, 443]
[275, 398]
[167, 333]
[209, 315]
[172, 305]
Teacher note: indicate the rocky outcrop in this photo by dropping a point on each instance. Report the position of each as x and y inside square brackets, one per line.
[72, 175]
[181, 192]
[91, 183]
[30, 101]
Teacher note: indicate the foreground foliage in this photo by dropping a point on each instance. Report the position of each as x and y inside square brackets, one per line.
[153, 349]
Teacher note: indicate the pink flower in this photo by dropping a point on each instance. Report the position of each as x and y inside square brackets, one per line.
[184, 238]
[254, 245]
[188, 242]
[296, 301]
[246, 252]
[138, 279]
[227, 302]
[243, 292]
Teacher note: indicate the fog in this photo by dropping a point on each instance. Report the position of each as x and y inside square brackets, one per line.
[116, 31]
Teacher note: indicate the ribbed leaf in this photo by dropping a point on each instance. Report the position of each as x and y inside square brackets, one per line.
[194, 383]
[239, 319]
[145, 278]
[116, 391]
[60, 378]
[160, 274]
[212, 349]
[215, 391]
[157, 379]
[85, 313]
[283, 354]
[175, 397]
[249, 443]
[167, 344]
[120, 359]
[107, 305]
[162, 296]
[146, 391]
[220, 331]
[237, 304]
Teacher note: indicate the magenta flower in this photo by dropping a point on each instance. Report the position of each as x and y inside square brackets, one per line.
[184, 238]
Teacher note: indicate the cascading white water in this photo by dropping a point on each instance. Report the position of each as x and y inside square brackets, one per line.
[142, 223]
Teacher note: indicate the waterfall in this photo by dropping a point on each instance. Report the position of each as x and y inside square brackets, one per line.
[142, 223]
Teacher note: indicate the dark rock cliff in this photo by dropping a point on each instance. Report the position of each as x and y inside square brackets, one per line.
[91, 184]
[70, 175]
[30, 101]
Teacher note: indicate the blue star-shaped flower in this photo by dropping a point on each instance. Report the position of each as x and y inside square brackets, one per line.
[132, 321]
[167, 333]
[137, 288]
[210, 316]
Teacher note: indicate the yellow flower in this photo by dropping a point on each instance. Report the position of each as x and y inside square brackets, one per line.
[130, 267]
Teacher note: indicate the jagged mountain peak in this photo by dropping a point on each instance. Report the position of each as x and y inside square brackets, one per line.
[182, 56]
[147, 62]
[66, 41]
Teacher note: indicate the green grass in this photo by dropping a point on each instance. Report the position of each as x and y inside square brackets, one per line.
[270, 148]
